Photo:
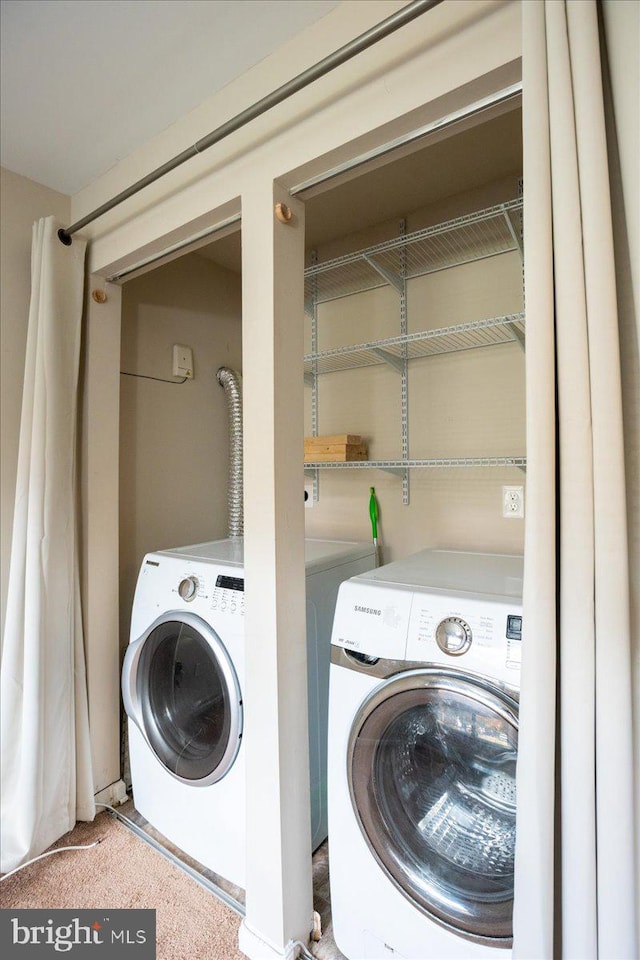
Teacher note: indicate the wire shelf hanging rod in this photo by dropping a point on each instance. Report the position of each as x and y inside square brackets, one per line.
[367, 39]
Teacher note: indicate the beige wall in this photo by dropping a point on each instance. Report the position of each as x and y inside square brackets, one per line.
[174, 438]
[23, 202]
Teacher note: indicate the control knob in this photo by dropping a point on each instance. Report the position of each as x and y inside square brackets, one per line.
[188, 588]
[453, 636]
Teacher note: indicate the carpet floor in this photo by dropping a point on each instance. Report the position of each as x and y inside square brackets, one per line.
[125, 872]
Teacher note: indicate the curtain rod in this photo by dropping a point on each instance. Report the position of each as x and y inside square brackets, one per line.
[381, 30]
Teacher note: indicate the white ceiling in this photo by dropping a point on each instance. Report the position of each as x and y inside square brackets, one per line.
[84, 82]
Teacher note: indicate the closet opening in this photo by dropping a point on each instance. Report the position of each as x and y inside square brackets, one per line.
[181, 322]
[414, 391]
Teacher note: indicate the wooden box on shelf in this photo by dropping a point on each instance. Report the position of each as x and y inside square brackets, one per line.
[338, 448]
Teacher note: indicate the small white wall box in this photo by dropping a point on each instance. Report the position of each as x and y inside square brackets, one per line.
[182, 361]
[308, 494]
[513, 502]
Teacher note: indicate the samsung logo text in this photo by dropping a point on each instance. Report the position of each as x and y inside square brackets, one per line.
[370, 610]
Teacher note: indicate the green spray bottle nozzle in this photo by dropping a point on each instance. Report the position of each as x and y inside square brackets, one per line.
[373, 513]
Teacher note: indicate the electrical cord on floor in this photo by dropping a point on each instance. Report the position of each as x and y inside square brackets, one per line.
[145, 376]
[49, 853]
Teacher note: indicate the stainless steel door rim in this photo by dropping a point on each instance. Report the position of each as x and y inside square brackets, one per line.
[431, 773]
[181, 690]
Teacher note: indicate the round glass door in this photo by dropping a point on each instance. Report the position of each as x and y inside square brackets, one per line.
[431, 765]
[189, 700]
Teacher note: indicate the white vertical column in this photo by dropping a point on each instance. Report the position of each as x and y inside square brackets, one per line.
[99, 505]
[278, 875]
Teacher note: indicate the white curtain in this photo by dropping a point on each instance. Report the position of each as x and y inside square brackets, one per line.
[575, 891]
[47, 780]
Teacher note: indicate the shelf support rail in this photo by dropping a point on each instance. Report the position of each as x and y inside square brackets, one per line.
[314, 373]
[405, 365]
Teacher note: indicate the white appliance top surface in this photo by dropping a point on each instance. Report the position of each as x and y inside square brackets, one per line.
[454, 572]
[319, 554]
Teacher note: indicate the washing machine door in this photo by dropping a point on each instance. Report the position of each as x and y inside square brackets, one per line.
[431, 769]
[180, 688]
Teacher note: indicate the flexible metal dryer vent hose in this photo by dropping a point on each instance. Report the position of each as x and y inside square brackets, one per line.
[230, 381]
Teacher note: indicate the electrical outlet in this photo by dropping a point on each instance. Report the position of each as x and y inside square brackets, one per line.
[182, 361]
[513, 502]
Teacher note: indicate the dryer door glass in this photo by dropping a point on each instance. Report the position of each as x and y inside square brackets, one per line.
[432, 777]
[189, 701]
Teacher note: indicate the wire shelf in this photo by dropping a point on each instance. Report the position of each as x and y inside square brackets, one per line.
[427, 343]
[475, 236]
[437, 462]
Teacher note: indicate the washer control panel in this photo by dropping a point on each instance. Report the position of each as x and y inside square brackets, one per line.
[482, 635]
[454, 636]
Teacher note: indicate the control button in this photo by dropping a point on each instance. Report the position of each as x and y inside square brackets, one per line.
[188, 588]
[223, 606]
[453, 636]
[233, 608]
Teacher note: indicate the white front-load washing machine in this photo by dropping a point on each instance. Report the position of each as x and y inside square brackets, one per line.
[423, 733]
[182, 686]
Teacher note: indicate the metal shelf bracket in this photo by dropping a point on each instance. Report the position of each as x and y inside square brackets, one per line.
[517, 236]
[389, 358]
[519, 336]
[392, 278]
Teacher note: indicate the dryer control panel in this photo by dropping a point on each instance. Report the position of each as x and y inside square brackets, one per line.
[219, 592]
[228, 595]
[213, 591]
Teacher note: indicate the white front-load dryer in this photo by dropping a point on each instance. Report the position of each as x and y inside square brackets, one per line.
[423, 730]
[182, 686]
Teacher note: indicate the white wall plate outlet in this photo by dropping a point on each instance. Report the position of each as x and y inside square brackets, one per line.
[308, 494]
[513, 502]
[182, 361]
